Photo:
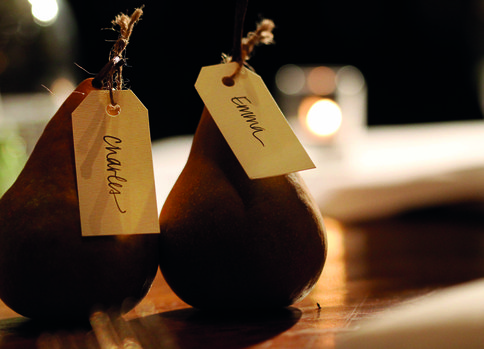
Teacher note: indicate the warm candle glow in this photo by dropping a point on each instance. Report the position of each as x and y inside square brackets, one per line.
[323, 117]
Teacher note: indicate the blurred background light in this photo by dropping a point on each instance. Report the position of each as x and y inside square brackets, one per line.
[44, 11]
[61, 88]
[321, 80]
[350, 80]
[323, 117]
[290, 79]
[38, 48]
[325, 105]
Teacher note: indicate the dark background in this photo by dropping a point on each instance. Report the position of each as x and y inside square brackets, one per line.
[419, 57]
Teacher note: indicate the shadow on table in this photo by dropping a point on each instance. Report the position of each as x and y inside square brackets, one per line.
[191, 328]
[24, 333]
[181, 329]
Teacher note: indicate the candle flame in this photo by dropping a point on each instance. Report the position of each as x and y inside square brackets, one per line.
[321, 116]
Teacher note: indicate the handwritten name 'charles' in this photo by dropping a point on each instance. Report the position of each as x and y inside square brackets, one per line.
[113, 168]
[243, 106]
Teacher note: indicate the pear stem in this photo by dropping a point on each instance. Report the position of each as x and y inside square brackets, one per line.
[240, 11]
[113, 69]
[243, 47]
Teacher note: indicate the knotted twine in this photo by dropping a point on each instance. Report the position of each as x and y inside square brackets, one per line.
[110, 76]
[262, 35]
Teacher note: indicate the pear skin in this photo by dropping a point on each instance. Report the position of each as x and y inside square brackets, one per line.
[48, 270]
[229, 242]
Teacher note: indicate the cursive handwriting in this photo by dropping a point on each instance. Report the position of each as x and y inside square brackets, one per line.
[248, 115]
[113, 168]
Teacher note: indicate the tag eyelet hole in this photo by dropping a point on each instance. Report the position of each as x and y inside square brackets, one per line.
[228, 81]
[113, 110]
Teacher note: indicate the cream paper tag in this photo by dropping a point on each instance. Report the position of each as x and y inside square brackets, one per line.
[114, 165]
[251, 122]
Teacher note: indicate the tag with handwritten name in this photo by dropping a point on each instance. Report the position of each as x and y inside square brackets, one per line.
[251, 122]
[114, 165]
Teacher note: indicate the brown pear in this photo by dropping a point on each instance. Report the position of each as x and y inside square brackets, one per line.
[48, 270]
[229, 242]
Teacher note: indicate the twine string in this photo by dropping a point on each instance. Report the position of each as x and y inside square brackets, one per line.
[110, 76]
[262, 35]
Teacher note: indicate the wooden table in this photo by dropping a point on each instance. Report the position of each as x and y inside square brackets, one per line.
[370, 267]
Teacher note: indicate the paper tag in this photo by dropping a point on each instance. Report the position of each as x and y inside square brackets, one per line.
[114, 165]
[251, 122]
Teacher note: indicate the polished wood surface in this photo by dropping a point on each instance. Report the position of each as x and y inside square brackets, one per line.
[370, 267]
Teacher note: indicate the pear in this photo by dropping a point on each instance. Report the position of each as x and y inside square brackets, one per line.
[48, 270]
[229, 242]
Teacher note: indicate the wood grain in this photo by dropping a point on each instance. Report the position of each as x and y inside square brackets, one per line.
[370, 267]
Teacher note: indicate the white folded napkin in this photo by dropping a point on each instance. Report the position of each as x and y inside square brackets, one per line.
[398, 168]
[445, 319]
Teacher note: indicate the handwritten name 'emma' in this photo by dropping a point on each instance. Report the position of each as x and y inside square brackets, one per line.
[115, 182]
[243, 106]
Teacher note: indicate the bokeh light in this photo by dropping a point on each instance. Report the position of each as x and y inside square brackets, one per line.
[321, 81]
[61, 88]
[44, 11]
[350, 80]
[323, 117]
[290, 79]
